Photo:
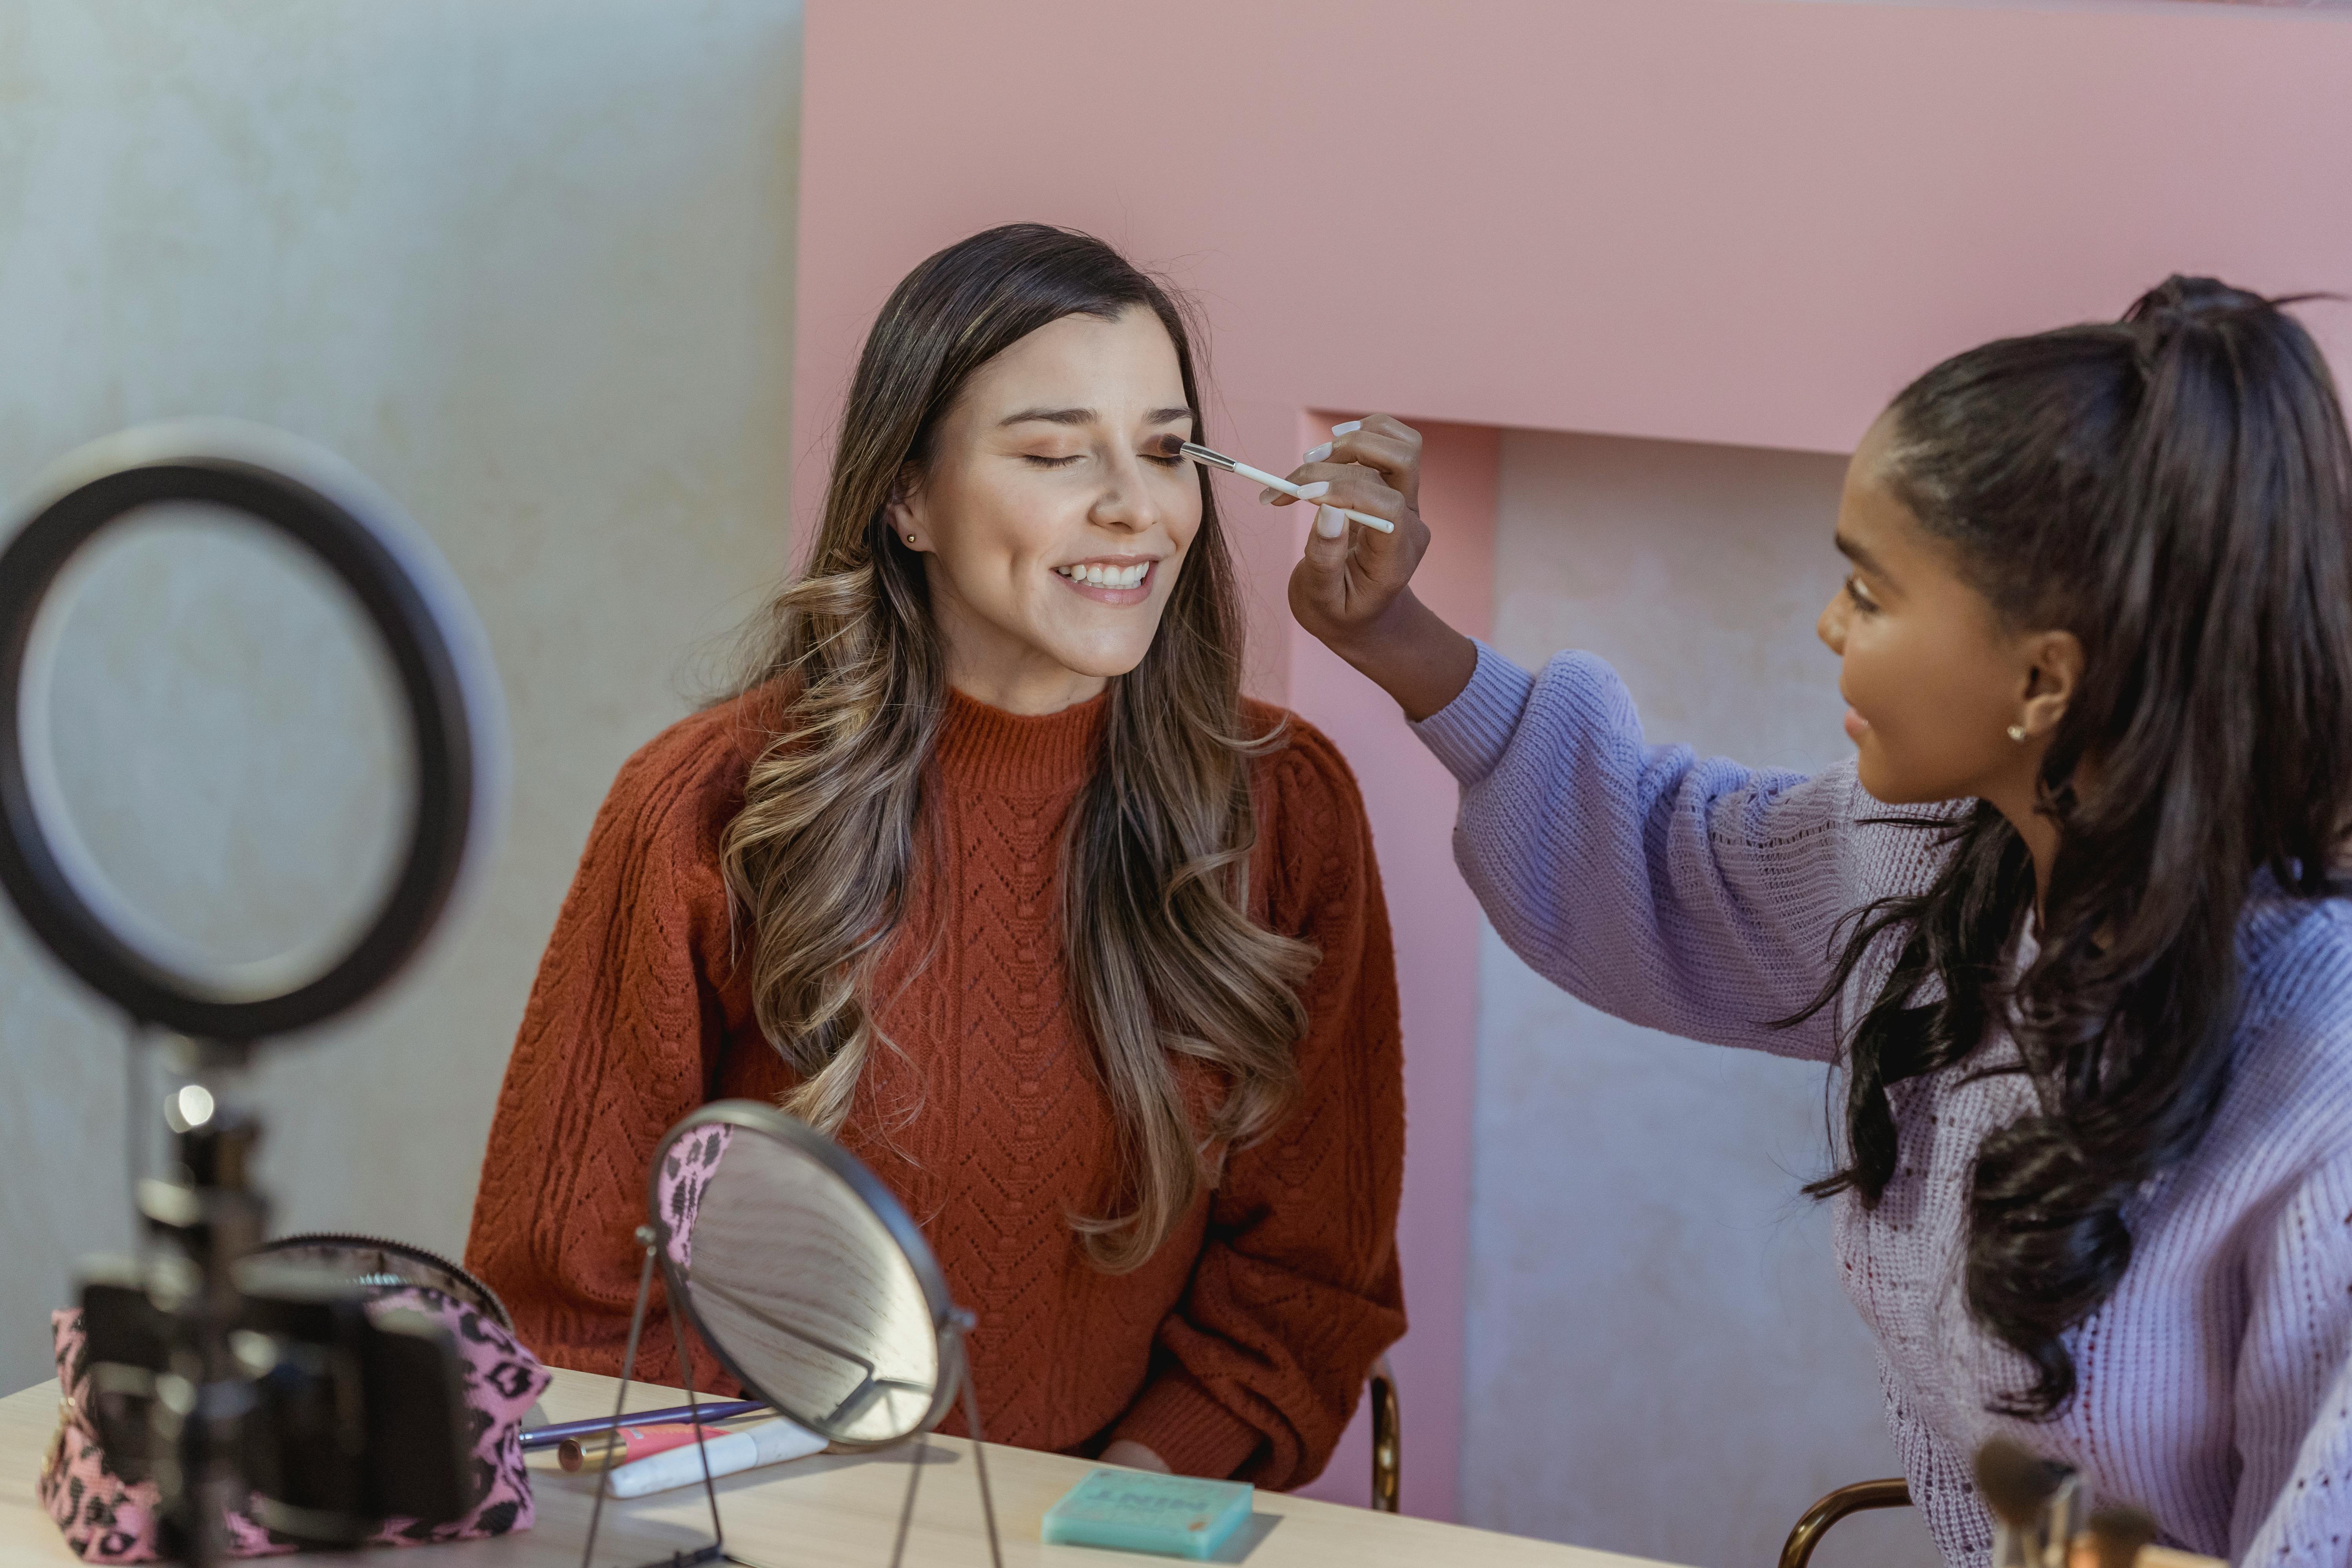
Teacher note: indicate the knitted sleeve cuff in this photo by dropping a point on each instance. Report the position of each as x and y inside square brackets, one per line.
[1469, 734]
[1176, 1419]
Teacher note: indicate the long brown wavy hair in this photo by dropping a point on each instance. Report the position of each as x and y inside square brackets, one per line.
[1164, 961]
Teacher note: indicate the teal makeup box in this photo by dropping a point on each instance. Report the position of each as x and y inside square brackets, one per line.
[1134, 1510]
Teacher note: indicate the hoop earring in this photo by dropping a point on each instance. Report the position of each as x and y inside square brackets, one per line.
[2017, 733]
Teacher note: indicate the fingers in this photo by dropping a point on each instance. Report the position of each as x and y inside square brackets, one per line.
[1398, 443]
[1357, 489]
[1370, 558]
[1394, 461]
[1386, 424]
[1387, 446]
[1390, 454]
[1353, 479]
[1386, 453]
[1384, 561]
[1346, 574]
[1326, 543]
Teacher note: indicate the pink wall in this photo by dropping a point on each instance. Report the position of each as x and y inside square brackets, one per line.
[1741, 221]
[1410, 798]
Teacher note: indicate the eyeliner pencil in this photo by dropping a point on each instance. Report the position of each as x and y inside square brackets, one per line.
[725, 1410]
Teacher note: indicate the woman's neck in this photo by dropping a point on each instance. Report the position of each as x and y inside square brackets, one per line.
[2037, 828]
[2040, 836]
[1023, 691]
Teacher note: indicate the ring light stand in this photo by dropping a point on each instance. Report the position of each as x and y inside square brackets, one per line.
[200, 1400]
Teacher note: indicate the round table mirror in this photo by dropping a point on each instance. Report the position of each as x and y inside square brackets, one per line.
[804, 1276]
[810, 1283]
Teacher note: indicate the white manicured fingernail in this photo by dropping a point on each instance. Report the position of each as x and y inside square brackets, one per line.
[1266, 498]
[1314, 491]
[1350, 428]
[1330, 523]
[1316, 454]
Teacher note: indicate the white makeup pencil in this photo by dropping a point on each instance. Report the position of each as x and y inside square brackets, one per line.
[1201, 454]
[769, 1443]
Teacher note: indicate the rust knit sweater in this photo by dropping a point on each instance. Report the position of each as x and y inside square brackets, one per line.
[1240, 1348]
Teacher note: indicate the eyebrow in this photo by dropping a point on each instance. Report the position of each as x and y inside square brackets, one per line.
[1086, 417]
[1861, 557]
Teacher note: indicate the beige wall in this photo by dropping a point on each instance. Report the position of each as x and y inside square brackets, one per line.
[1660, 1360]
[530, 266]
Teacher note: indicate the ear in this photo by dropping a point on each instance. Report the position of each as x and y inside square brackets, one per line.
[2053, 674]
[905, 509]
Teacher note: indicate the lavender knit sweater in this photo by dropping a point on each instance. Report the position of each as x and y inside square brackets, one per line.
[1699, 897]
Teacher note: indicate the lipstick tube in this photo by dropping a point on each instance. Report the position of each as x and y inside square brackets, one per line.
[606, 1450]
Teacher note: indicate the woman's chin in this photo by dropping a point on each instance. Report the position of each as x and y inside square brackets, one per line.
[1892, 787]
[1884, 784]
[1104, 658]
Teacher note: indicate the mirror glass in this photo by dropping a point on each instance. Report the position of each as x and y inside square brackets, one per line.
[217, 748]
[795, 1278]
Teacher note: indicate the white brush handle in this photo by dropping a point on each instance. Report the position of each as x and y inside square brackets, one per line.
[1287, 488]
[767, 1443]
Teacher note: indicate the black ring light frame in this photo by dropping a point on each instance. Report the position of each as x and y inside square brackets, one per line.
[435, 648]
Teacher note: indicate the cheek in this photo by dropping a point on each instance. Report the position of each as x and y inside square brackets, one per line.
[1000, 527]
[1184, 515]
[1178, 506]
[1870, 656]
[1930, 706]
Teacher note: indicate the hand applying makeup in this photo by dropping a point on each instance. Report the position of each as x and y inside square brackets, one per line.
[1351, 588]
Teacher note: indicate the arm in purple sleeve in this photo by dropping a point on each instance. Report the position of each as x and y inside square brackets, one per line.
[1690, 895]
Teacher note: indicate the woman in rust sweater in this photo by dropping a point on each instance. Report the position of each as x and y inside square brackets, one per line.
[990, 870]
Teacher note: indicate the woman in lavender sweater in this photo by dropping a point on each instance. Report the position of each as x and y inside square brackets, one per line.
[2067, 926]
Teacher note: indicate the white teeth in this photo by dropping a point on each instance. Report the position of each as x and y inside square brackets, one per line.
[1100, 576]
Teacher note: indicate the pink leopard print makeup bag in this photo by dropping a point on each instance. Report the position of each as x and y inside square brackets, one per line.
[107, 1520]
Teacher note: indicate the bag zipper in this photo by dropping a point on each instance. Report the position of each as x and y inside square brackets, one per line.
[399, 1248]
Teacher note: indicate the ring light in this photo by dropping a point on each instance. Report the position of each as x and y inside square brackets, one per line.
[439, 661]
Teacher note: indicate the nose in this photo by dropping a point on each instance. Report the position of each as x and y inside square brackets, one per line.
[1126, 500]
[1831, 626]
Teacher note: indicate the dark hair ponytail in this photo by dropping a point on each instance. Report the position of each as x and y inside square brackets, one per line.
[2174, 489]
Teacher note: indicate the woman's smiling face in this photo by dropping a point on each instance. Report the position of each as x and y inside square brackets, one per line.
[1054, 511]
[1932, 678]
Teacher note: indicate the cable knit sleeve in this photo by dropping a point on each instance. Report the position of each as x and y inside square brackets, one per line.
[1296, 1292]
[619, 1040]
[1690, 895]
[2293, 1397]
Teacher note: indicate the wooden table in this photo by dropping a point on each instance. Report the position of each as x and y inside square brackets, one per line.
[827, 1510]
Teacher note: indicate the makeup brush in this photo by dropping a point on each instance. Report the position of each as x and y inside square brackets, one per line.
[2117, 1532]
[2017, 1485]
[1201, 454]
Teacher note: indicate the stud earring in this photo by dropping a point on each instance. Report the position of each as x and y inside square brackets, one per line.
[2017, 733]
[910, 539]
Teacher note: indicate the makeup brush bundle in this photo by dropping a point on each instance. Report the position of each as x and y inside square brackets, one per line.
[2037, 1509]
